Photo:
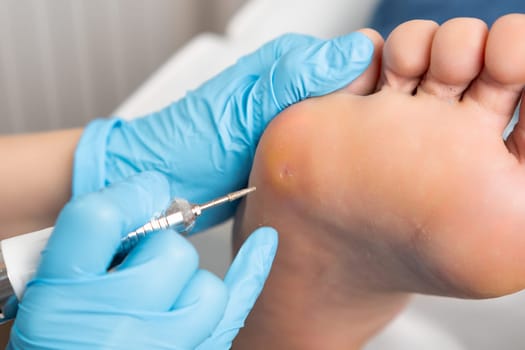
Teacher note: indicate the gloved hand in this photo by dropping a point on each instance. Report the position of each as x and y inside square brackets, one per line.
[205, 142]
[156, 299]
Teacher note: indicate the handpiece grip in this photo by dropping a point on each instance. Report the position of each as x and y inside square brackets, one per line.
[19, 258]
[179, 217]
[20, 255]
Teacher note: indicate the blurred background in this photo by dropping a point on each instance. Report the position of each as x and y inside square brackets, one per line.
[65, 62]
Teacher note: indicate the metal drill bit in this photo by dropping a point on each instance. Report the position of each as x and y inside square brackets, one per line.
[230, 197]
[181, 217]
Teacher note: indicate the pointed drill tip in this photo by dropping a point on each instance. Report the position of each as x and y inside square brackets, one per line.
[241, 193]
[230, 197]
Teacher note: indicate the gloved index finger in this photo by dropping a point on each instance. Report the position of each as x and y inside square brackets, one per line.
[89, 229]
[245, 280]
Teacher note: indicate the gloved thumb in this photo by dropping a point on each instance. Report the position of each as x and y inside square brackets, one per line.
[321, 68]
[316, 68]
[89, 228]
[245, 280]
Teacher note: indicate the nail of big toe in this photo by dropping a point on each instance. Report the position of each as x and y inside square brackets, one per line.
[500, 83]
[367, 82]
[406, 55]
[456, 58]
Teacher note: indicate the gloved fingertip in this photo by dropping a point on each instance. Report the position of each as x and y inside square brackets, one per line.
[321, 68]
[255, 258]
[354, 50]
[361, 44]
[245, 280]
[264, 239]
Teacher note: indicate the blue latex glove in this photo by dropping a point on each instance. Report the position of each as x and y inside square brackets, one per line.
[205, 142]
[156, 299]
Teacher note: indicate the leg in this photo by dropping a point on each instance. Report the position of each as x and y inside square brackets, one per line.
[411, 189]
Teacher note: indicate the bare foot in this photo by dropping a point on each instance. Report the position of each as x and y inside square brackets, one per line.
[411, 189]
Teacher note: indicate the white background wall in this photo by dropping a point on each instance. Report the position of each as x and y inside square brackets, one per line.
[64, 62]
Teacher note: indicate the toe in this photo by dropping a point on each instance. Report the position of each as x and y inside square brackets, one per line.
[406, 55]
[499, 85]
[456, 58]
[367, 82]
